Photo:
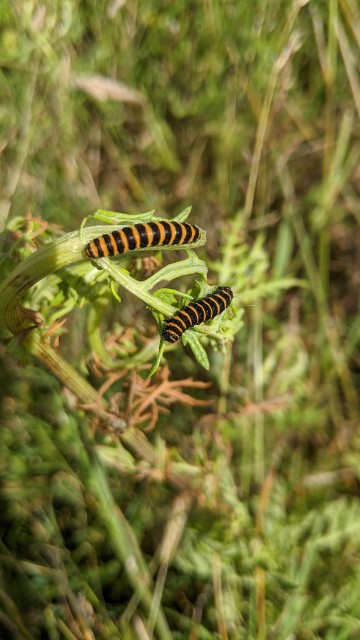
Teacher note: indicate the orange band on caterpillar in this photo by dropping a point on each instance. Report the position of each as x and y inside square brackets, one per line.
[142, 236]
[197, 312]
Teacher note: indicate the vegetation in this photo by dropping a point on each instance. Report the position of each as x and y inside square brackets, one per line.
[218, 497]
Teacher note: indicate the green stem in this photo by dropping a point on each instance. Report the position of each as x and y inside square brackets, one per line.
[140, 289]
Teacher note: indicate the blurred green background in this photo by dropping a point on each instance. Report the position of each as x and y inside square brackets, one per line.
[242, 518]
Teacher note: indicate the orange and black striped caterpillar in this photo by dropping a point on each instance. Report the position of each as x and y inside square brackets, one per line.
[142, 236]
[197, 312]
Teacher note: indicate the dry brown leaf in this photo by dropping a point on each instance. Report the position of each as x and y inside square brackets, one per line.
[104, 89]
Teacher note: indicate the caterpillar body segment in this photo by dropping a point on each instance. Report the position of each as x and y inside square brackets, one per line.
[197, 312]
[143, 235]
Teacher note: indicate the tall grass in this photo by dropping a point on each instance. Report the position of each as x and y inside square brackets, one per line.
[234, 519]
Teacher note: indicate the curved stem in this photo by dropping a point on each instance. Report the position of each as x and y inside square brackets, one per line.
[60, 253]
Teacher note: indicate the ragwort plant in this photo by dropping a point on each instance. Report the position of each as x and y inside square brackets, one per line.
[54, 279]
[73, 281]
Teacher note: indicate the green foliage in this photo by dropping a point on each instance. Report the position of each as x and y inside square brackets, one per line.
[166, 507]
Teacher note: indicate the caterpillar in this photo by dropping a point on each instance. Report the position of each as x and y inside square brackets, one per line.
[197, 312]
[142, 236]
